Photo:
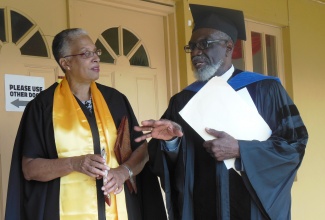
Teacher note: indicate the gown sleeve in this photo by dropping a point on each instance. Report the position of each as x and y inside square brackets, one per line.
[271, 165]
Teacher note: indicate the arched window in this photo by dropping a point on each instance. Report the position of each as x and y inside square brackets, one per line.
[118, 41]
[23, 32]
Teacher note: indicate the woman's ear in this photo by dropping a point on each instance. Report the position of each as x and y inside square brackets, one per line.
[64, 63]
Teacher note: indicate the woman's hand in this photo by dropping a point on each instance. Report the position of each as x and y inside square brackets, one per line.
[115, 179]
[91, 164]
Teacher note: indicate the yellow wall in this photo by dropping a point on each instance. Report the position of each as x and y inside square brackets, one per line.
[303, 22]
[304, 33]
[307, 34]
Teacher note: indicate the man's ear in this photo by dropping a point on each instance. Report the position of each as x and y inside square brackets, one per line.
[230, 45]
[64, 63]
[229, 48]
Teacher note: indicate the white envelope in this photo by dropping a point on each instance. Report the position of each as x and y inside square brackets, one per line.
[217, 105]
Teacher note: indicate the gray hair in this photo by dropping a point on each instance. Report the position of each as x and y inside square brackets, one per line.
[223, 35]
[61, 42]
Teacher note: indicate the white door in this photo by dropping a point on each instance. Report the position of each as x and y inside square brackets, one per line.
[122, 30]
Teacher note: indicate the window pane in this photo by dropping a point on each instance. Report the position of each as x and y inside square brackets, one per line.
[237, 55]
[2, 25]
[111, 37]
[257, 53]
[129, 40]
[140, 58]
[271, 55]
[19, 25]
[35, 46]
[106, 56]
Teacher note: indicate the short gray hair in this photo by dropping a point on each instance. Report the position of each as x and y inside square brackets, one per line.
[223, 35]
[61, 42]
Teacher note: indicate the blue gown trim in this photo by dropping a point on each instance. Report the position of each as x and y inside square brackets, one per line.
[237, 82]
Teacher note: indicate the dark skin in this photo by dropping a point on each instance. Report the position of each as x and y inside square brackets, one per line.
[223, 146]
[80, 72]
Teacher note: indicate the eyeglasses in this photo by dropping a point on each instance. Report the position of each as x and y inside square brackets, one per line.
[87, 54]
[201, 45]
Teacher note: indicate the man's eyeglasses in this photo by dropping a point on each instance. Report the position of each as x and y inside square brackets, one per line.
[87, 54]
[201, 45]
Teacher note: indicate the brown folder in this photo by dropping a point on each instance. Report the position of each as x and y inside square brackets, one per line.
[123, 151]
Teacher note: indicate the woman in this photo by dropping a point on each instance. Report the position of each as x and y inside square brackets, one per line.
[59, 143]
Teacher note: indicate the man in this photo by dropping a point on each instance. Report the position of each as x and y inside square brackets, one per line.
[194, 176]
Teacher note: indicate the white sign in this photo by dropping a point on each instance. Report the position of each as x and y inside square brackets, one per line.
[19, 90]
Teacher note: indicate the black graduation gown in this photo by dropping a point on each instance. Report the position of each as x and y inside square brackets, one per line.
[198, 187]
[40, 200]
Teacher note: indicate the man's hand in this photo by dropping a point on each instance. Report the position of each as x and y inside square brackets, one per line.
[162, 129]
[223, 147]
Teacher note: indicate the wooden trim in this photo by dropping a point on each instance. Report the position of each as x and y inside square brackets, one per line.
[135, 5]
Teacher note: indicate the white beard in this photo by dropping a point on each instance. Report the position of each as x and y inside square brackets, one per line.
[207, 72]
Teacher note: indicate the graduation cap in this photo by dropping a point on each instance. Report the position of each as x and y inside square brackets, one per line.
[229, 21]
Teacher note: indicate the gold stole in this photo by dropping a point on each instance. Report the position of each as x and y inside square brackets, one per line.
[73, 137]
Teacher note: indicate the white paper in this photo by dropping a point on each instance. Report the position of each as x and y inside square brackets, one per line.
[217, 105]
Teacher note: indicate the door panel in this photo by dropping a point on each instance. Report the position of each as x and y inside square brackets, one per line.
[140, 89]
[133, 81]
[105, 77]
[48, 73]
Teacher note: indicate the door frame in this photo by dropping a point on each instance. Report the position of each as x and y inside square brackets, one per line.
[167, 11]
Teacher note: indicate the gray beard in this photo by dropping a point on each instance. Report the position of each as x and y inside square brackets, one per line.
[207, 72]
